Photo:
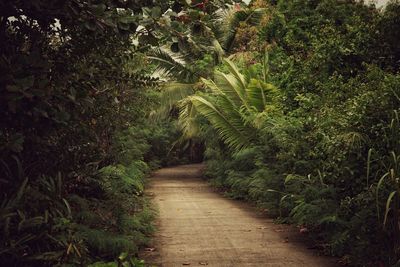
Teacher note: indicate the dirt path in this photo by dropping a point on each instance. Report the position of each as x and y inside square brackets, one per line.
[198, 227]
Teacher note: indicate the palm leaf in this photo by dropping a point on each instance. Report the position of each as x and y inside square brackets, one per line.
[232, 87]
[231, 21]
[171, 65]
[231, 128]
[215, 44]
[255, 16]
[236, 73]
[173, 92]
[188, 119]
[231, 28]
[211, 85]
[265, 65]
[260, 94]
[256, 94]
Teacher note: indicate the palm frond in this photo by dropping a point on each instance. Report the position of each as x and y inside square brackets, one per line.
[220, 22]
[218, 49]
[231, 20]
[232, 129]
[170, 96]
[256, 94]
[261, 94]
[215, 44]
[236, 73]
[211, 85]
[232, 87]
[255, 16]
[188, 119]
[229, 25]
[265, 64]
[171, 65]
[173, 92]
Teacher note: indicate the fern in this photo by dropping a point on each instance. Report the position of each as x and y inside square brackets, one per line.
[119, 179]
[105, 242]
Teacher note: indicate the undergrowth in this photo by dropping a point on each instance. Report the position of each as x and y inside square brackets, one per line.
[326, 154]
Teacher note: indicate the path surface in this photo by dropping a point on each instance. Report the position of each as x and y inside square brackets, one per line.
[198, 227]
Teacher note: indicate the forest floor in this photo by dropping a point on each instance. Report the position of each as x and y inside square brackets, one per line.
[198, 226]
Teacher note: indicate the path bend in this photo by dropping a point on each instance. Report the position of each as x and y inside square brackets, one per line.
[198, 227]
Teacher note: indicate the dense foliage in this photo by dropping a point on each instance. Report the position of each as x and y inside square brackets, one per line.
[302, 118]
[325, 155]
[72, 154]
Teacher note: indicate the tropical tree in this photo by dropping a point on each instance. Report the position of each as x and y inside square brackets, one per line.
[233, 105]
[196, 45]
[72, 85]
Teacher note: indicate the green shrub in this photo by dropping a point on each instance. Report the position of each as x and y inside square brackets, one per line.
[310, 163]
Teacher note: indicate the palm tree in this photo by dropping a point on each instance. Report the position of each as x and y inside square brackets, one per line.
[228, 21]
[232, 106]
[215, 36]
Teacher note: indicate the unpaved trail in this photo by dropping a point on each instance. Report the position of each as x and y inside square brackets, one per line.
[198, 227]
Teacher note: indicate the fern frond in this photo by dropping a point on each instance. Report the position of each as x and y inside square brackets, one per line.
[105, 242]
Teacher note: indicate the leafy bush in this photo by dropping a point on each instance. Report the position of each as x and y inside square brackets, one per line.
[72, 86]
[320, 155]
